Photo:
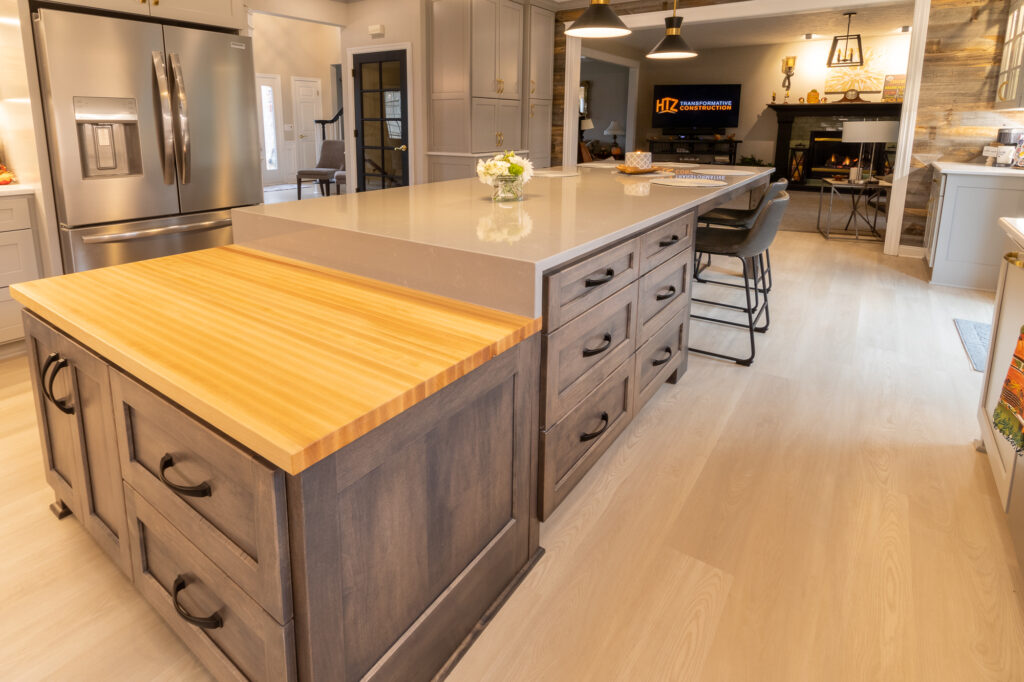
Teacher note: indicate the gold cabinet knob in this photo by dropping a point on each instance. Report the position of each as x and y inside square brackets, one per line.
[533, 86]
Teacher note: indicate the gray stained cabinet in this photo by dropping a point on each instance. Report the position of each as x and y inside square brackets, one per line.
[377, 563]
[72, 396]
[616, 324]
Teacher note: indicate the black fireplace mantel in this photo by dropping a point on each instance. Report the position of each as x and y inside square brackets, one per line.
[787, 113]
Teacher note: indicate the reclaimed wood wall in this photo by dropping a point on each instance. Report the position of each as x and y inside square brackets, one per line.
[955, 118]
[622, 8]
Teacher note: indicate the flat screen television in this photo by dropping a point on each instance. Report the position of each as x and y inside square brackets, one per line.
[695, 107]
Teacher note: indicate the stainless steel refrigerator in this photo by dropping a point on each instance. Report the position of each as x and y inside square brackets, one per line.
[152, 134]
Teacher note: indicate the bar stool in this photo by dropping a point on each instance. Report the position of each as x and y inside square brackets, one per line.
[749, 247]
[742, 219]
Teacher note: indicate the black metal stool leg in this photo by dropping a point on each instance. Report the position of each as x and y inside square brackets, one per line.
[748, 275]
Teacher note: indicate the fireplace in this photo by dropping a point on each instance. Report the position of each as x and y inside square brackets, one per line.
[827, 155]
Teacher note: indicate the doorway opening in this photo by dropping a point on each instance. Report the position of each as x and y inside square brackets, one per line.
[297, 86]
[380, 87]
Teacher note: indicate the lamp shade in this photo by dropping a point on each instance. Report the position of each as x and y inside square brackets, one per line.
[672, 46]
[598, 21]
[586, 124]
[614, 128]
[871, 131]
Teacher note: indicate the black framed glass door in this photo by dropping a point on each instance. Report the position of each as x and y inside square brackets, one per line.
[382, 120]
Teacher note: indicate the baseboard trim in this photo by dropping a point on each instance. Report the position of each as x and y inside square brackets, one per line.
[912, 251]
[12, 349]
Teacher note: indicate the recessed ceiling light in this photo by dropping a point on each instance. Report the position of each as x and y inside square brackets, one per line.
[811, 36]
[903, 29]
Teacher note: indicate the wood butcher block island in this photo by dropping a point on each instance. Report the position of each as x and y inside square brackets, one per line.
[309, 475]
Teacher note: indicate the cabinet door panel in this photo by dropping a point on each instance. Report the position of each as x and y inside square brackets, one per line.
[211, 12]
[484, 51]
[130, 6]
[17, 257]
[55, 430]
[542, 53]
[510, 125]
[484, 125]
[540, 133]
[101, 495]
[510, 49]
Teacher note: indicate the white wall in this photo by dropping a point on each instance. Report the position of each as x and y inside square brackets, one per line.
[759, 70]
[404, 22]
[608, 94]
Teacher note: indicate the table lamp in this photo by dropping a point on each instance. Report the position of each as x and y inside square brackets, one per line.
[585, 125]
[872, 132]
[615, 129]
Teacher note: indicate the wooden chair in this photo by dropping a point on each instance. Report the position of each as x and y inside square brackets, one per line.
[585, 155]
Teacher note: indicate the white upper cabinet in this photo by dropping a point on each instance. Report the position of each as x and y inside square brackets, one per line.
[497, 48]
[1009, 90]
[542, 53]
[496, 125]
[227, 13]
[131, 6]
[211, 12]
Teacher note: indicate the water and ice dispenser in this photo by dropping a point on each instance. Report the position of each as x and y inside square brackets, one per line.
[108, 136]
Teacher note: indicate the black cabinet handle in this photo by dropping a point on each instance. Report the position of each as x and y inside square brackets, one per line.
[208, 623]
[609, 275]
[50, 359]
[667, 295]
[590, 352]
[201, 490]
[604, 427]
[674, 239]
[59, 403]
[659, 363]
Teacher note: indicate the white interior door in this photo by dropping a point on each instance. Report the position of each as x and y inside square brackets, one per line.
[273, 159]
[308, 107]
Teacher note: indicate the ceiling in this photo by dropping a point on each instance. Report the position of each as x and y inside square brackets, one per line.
[878, 20]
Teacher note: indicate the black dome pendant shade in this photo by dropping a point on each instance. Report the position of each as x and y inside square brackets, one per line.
[598, 21]
[672, 46]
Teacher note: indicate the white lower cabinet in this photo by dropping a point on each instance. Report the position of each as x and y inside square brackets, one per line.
[17, 261]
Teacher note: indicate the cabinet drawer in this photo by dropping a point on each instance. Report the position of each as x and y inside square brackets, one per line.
[180, 582]
[662, 355]
[14, 213]
[229, 503]
[579, 287]
[17, 257]
[665, 241]
[580, 355]
[10, 317]
[573, 445]
[663, 292]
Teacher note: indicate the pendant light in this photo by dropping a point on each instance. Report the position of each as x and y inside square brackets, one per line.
[841, 53]
[599, 21]
[672, 46]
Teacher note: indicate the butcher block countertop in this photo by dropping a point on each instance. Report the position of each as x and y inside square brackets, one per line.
[292, 360]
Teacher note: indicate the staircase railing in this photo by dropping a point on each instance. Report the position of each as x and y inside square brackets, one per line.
[323, 123]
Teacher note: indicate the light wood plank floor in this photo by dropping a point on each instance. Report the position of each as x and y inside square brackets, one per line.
[818, 516]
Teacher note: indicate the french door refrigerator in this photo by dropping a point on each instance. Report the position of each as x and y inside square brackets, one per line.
[152, 135]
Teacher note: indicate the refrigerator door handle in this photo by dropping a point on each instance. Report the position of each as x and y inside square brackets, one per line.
[184, 148]
[166, 122]
[155, 232]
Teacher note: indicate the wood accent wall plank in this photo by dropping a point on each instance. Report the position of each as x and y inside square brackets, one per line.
[955, 118]
[292, 360]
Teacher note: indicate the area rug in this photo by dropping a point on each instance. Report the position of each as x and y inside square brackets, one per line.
[976, 337]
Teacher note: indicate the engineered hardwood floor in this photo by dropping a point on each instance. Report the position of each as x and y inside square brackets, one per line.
[818, 516]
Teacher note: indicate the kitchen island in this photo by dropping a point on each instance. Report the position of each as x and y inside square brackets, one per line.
[309, 475]
[605, 259]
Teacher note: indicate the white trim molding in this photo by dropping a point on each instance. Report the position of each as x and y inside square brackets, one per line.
[571, 113]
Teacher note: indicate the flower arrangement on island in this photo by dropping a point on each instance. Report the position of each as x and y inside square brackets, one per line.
[506, 174]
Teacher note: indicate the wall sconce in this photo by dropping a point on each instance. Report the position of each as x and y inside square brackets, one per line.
[788, 69]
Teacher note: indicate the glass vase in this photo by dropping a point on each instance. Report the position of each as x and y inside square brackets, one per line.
[507, 188]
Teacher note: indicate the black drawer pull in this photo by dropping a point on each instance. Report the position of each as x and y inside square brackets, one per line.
[669, 293]
[674, 239]
[659, 363]
[61, 363]
[50, 359]
[208, 623]
[609, 275]
[201, 490]
[596, 434]
[590, 352]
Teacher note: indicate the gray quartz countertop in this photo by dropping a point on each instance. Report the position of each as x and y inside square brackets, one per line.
[450, 238]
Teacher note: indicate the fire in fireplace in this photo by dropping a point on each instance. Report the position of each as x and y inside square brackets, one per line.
[827, 155]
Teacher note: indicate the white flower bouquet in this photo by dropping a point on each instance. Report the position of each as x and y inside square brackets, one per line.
[506, 174]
